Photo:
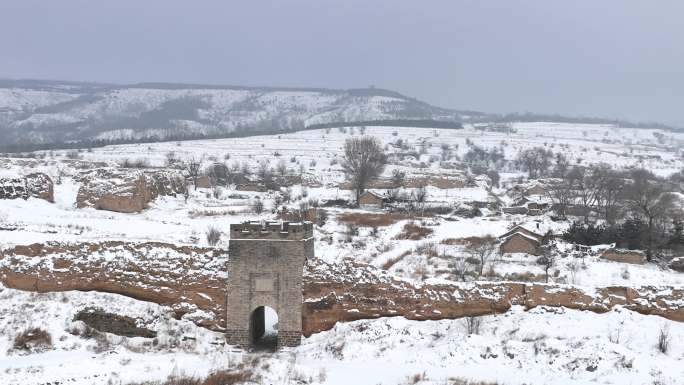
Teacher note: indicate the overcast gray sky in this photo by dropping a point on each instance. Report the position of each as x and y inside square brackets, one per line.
[609, 58]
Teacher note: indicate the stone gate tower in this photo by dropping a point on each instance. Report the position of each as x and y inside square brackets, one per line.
[265, 269]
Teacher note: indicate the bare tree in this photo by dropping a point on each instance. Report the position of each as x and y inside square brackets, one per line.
[398, 178]
[610, 196]
[192, 169]
[265, 173]
[171, 159]
[213, 236]
[419, 195]
[536, 161]
[257, 206]
[588, 182]
[562, 195]
[364, 160]
[281, 167]
[482, 248]
[461, 268]
[648, 200]
[547, 259]
[245, 170]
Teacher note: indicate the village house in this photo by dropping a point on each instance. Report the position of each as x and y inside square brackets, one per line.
[527, 205]
[371, 200]
[521, 240]
[537, 189]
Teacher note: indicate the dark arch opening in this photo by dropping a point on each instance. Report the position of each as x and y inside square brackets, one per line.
[263, 324]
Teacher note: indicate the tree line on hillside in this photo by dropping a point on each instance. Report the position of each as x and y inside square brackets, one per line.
[422, 123]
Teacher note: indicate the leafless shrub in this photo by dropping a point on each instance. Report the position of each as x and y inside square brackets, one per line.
[349, 233]
[421, 271]
[461, 381]
[625, 274]
[416, 378]
[393, 261]
[257, 206]
[137, 163]
[614, 336]
[213, 236]
[218, 378]
[102, 343]
[413, 232]
[73, 154]
[216, 192]
[336, 348]
[32, 339]
[664, 340]
[428, 248]
[300, 377]
[473, 324]
[322, 375]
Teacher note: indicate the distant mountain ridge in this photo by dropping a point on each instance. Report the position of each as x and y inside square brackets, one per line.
[37, 114]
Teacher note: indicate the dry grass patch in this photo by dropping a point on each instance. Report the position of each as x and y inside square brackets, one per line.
[521, 277]
[393, 261]
[371, 219]
[210, 213]
[461, 381]
[414, 232]
[461, 241]
[218, 378]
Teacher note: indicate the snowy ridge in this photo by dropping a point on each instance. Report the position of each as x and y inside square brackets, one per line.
[34, 113]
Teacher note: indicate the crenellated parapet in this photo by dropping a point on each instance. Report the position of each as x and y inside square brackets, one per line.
[295, 231]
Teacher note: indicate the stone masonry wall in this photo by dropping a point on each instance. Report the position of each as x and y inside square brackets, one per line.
[265, 269]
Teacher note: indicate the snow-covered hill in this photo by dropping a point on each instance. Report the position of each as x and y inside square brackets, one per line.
[41, 112]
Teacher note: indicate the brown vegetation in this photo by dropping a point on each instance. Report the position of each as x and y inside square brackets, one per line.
[393, 261]
[371, 219]
[414, 232]
[461, 241]
[217, 378]
[32, 339]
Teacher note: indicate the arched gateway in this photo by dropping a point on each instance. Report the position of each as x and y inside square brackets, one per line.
[265, 270]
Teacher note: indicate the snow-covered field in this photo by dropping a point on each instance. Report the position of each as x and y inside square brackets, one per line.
[535, 347]
[540, 346]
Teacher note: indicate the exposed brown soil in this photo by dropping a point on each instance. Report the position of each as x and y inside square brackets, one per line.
[183, 277]
[371, 219]
[352, 291]
[191, 278]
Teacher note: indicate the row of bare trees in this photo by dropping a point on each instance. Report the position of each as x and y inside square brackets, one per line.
[601, 192]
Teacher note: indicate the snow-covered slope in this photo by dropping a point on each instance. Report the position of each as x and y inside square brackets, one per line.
[539, 346]
[36, 112]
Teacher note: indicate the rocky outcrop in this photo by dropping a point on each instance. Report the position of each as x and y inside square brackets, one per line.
[113, 323]
[677, 264]
[192, 281]
[36, 185]
[125, 190]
